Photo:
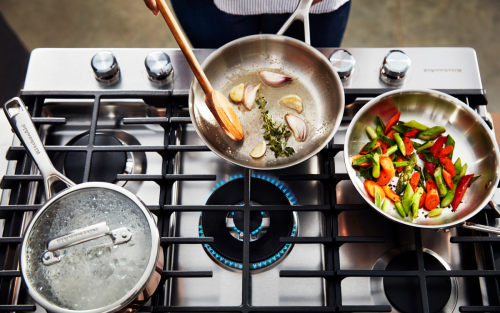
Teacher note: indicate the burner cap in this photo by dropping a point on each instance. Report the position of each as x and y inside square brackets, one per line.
[404, 292]
[255, 220]
[267, 249]
[104, 166]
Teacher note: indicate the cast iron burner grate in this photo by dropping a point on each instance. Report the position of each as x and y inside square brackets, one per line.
[20, 183]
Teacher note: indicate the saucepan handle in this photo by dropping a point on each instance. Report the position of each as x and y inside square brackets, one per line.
[301, 13]
[20, 120]
[484, 228]
[119, 236]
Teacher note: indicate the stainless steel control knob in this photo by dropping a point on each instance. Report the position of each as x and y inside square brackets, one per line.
[158, 65]
[395, 66]
[105, 66]
[343, 62]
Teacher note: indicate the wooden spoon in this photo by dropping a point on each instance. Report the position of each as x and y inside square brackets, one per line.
[218, 104]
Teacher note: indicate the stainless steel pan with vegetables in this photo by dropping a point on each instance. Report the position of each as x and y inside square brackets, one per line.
[423, 158]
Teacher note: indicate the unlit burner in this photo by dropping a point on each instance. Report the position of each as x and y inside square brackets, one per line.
[104, 166]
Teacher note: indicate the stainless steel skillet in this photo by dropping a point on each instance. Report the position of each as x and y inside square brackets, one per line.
[475, 145]
[312, 72]
[93, 247]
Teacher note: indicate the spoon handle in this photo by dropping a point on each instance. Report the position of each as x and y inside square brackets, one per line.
[183, 44]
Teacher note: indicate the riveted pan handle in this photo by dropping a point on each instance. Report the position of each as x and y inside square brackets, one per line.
[484, 228]
[23, 126]
[301, 13]
[119, 236]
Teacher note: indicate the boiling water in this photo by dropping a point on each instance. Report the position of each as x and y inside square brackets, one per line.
[96, 273]
[252, 120]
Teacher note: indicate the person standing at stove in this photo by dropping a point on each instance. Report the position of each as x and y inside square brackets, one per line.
[212, 24]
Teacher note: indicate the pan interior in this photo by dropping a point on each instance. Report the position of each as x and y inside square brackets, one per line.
[474, 144]
[96, 273]
[314, 81]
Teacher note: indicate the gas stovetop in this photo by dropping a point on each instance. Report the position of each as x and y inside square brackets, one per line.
[314, 244]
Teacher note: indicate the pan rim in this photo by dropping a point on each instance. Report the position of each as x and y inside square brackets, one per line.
[315, 52]
[438, 94]
[132, 294]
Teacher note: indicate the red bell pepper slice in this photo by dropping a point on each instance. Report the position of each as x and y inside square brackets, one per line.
[384, 147]
[391, 134]
[460, 191]
[430, 167]
[438, 145]
[412, 133]
[392, 122]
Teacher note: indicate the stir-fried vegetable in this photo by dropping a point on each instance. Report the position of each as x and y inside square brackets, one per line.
[433, 186]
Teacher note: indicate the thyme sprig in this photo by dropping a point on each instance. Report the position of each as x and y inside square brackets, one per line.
[276, 134]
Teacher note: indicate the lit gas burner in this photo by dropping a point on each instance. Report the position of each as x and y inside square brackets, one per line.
[266, 228]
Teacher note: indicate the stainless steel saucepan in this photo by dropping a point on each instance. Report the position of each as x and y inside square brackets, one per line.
[315, 81]
[475, 145]
[93, 247]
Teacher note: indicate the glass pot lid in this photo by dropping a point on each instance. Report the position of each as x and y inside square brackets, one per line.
[91, 248]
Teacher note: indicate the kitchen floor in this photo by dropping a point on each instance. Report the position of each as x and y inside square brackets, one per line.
[381, 23]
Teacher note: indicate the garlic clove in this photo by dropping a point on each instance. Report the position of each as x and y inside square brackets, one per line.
[236, 94]
[274, 79]
[297, 126]
[259, 150]
[292, 102]
[249, 96]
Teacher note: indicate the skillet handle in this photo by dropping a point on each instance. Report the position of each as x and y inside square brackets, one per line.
[482, 228]
[23, 126]
[301, 13]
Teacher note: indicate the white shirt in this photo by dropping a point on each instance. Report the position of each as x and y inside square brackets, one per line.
[254, 7]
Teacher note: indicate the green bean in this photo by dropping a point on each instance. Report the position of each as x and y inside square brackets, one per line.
[391, 150]
[431, 133]
[400, 209]
[375, 159]
[378, 198]
[400, 143]
[386, 205]
[400, 163]
[435, 212]
[407, 198]
[371, 133]
[415, 124]
[415, 201]
[463, 171]
[458, 166]
[450, 142]
[441, 186]
[427, 145]
[446, 201]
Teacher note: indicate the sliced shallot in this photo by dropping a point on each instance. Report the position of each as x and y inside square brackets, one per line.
[249, 96]
[274, 79]
[297, 126]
